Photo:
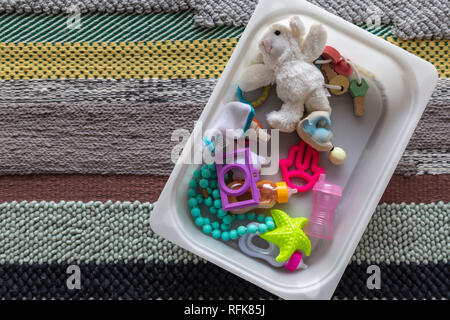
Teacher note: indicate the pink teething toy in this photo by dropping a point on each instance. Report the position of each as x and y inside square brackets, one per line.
[326, 197]
[303, 161]
[294, 261]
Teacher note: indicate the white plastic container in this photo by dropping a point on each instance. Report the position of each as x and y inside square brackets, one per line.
[374, 144]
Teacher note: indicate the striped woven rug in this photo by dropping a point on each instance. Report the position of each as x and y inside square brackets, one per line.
[87, 107]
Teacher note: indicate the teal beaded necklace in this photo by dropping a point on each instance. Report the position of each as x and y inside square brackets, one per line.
[206, 179]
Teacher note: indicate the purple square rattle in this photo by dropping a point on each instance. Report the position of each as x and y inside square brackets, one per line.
[251, 176]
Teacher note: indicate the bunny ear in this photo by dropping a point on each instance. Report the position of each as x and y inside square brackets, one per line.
[314, 43]
[297, 27]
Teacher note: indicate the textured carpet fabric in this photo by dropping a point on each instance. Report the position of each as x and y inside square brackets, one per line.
[86, 117]
[411, 19]
[99, 91]
[121, 126]
[107, 138]
[150, 280]
[119, 60]
[120, 257]
[424, 188]
[126, 27]
[416, 19]
[114, 231]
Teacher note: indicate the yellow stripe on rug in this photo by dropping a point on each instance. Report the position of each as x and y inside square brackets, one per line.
[436, 52]
[162, 59]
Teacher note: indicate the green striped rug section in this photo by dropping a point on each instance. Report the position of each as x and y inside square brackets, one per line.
[105, 27]
[381, 31]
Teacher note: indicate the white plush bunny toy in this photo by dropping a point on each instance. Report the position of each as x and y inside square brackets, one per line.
[287, 59]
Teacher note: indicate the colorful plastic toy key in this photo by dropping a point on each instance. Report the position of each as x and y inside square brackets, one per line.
[304, 157]
[358, 92]
[251, 176]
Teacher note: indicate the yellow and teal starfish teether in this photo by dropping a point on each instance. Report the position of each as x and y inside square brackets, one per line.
[288, 235]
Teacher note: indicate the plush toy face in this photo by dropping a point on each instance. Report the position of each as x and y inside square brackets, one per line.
[281, 43]
[276, 42]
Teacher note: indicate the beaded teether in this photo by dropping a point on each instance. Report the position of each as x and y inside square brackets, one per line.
[259, 101]
[206, 179]
[304, 157]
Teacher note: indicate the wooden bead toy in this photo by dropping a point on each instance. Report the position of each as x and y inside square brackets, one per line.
[343, 68]
[328, 71]
[335, 79]
[358, 92]
[337, 155]
[339, 64]
[341, 81]
[331, 53]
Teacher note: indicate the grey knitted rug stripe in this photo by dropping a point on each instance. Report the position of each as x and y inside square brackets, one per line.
[99, 91]
[431, 133]
[134, 90]
[427, 161]
[120, 231]
[74, 138]
[121, 139]
[410, 18]
[44, 128]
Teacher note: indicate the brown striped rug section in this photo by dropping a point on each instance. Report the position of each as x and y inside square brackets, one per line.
[147, 188]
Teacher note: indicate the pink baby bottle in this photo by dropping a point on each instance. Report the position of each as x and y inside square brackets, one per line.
[326, 197]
